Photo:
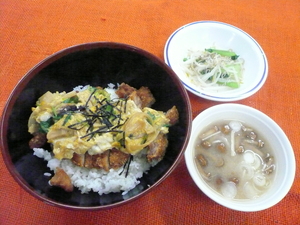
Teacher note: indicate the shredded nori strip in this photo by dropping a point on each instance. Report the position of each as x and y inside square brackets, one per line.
[126, 166]
[74, 125]
[106, 112]
[87, 102]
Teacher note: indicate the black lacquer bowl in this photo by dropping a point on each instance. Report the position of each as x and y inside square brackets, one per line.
[96, 64]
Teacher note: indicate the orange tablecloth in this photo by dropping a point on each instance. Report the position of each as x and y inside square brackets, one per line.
[32, 30]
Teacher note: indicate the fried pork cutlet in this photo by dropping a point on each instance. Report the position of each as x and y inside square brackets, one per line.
[157, 148]
[112, 158]
[173, 115]
[61, 179]
[142, 97]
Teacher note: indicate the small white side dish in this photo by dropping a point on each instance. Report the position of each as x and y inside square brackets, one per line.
[283, 155]
[207, 34]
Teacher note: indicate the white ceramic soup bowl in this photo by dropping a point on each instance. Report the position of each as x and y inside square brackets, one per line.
[283, 155]
[212, 34]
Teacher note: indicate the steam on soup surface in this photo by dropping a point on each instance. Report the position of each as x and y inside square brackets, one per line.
[235, 160]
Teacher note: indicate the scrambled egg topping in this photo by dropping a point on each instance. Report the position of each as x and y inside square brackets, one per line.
[90, 121]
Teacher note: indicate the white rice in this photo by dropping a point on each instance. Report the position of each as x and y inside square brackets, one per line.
[80, 88]
[110, 89]
[98, 180]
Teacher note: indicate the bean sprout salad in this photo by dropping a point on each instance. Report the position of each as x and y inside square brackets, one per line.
[214, 69]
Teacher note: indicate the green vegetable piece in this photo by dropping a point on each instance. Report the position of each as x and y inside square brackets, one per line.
[225, 75]
[152, 116]
[230, 84]
[233, 84]
[234, 57]
[73, 99]
[223, 53]
[67, 118]
[45, 125]
[144, 139]
[108, 108]
[56, 117]
[200, 60]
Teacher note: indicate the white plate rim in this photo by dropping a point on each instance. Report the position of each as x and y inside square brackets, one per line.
[219, 98]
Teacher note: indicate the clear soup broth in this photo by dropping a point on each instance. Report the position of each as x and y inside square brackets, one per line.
[235, 160]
